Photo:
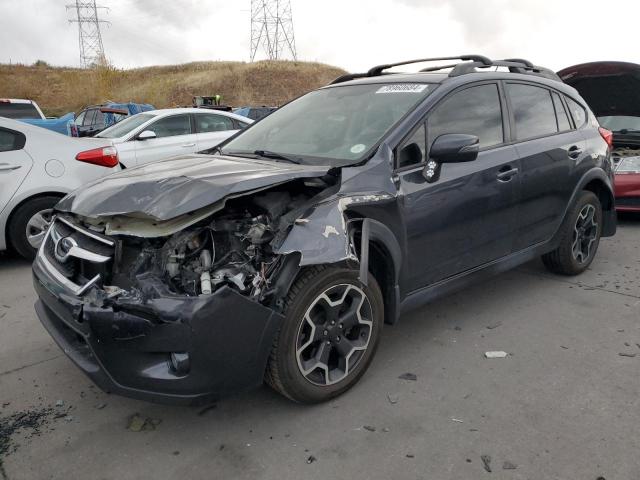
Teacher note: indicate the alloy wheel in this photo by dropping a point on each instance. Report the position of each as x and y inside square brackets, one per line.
[334, 335]
[585, 234]
[37, 227]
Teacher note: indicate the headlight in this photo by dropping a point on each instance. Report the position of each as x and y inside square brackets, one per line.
[627, 165]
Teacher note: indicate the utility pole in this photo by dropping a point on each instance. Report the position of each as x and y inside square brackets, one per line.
[89, 37]
[272, 29]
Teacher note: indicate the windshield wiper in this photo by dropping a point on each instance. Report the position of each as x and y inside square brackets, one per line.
[276, 156]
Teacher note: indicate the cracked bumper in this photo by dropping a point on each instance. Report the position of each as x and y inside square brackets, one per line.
[227, 338]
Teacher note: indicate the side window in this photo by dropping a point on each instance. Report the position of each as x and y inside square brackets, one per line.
[474, 111]
[578, 112]
[11, 140]
[563, 120]
[88, 118]
[99, 118]
[171, 126]
[413, 149]
[80, 118]
[213, 123]
[532, 110]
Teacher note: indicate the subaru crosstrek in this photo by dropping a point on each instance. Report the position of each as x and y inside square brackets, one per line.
[279, 255]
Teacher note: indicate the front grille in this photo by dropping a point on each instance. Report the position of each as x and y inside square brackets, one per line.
[628, 201]
[75, 256]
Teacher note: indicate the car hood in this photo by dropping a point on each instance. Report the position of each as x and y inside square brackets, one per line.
[610, 88]
[170, 188]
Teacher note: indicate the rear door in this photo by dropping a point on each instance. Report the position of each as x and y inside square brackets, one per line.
[174, 136]
[15, 164]
[549, 148]
[467, 216]
[212, 129]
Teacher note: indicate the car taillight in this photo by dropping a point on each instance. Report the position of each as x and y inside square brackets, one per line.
[607, 135]
[104, 156]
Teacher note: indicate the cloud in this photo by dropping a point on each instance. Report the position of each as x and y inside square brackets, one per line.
[353, 34]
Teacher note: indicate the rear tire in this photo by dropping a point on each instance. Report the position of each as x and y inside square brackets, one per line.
[329, 335]
[29, 223]
[580, 237]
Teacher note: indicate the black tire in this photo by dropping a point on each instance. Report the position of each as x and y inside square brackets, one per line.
[17, 230]
[284, 372]
[563, 259]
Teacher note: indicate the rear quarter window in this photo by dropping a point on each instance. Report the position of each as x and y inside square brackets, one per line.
[578, 112]
[11, 140]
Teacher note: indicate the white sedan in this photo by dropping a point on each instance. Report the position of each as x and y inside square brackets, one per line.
[159, 134]
[37, 168]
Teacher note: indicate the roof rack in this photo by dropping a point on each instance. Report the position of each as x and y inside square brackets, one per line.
[467, 64]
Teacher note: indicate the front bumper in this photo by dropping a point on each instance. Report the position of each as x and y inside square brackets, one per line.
[127, 350]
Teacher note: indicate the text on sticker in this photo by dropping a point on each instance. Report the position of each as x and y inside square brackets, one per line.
[403, 88]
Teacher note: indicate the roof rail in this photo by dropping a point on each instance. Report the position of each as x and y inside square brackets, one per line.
[468, 64]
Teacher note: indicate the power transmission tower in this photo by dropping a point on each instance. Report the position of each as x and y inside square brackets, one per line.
[89, 37]
[272, 29]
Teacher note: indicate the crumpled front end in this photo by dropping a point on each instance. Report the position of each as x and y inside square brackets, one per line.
[181, 317]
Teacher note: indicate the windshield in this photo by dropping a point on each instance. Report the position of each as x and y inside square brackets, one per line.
[19, 110]
[332, 126]
[124, 127]
[620, 122]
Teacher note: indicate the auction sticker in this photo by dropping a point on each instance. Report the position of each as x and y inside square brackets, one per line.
[358, 148]
[403, 88]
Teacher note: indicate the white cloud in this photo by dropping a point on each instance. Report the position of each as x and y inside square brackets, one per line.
[353, 34]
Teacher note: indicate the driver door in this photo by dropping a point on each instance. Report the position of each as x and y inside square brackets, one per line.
[467, 217]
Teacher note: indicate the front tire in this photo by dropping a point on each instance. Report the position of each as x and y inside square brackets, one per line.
[329, 335]
[29, 224]
[580, 237]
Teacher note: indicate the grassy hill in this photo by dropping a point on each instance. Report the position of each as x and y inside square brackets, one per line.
[59, 89]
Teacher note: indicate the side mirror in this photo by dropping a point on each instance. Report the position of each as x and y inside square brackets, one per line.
[454, 148]
[147, 135]
[410, 154]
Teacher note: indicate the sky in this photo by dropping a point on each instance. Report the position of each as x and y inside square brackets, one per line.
[351, 34]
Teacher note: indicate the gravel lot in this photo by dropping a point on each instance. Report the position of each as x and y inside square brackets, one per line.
[564, 404]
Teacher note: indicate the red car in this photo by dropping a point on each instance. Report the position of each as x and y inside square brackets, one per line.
[612, 90]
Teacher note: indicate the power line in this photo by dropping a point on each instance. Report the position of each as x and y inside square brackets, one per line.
[272, 29]
[89, 37]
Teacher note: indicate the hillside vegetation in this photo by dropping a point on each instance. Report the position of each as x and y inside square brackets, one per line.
[59, 89]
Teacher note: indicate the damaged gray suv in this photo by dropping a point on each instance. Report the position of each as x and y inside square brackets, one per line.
[280, 255]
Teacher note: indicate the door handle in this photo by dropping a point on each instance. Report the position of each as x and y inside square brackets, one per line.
[506, 173]
[8, 168]
[574, 151]
[187, 145]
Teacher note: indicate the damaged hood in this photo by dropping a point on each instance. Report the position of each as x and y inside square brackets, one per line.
[167, 189]
[610, 88]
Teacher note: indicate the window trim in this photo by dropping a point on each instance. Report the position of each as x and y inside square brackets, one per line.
[506, 128]
[20, 141]
[566, 112]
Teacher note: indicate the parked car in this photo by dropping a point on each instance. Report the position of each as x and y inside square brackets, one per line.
[38, 168]
[28, 111]
[159, 134]
[280, 255]
[254, 113]
[612, 90]
[92, 120]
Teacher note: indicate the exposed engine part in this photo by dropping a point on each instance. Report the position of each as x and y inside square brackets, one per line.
[233, 248]
[205, 276]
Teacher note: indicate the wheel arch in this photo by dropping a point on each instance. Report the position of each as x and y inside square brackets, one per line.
[380, 255]
[600, 185]
[22, 202]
